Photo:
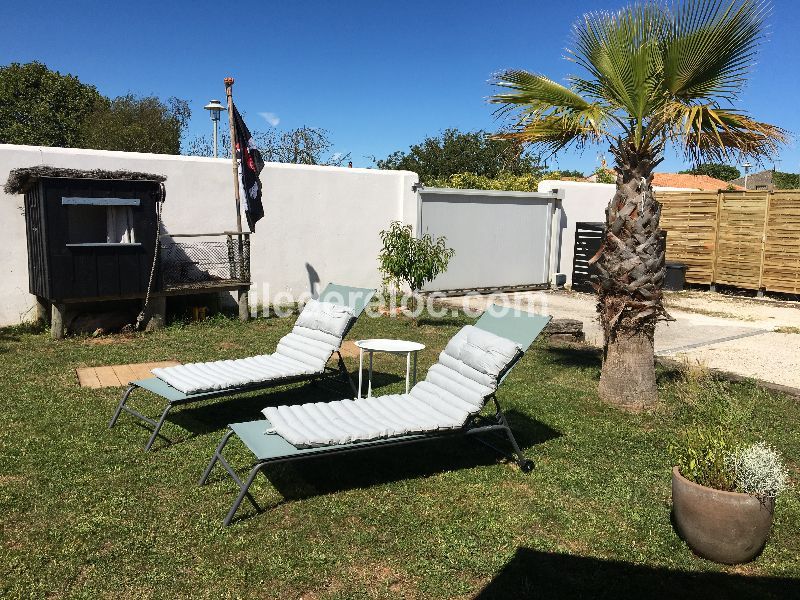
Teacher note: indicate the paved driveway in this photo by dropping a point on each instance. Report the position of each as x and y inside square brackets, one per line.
[732, 334]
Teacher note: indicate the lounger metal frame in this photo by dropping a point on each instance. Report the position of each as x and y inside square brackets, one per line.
[175, 397]
[479, 424]
[253, 435]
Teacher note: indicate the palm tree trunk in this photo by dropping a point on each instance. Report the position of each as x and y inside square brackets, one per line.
[629, 285]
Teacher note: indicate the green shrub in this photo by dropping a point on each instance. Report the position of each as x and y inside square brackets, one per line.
[706, 457]
[504, 181]
[405, 259]
[700, 457]
[715, 170]
[705, 401]
[527, 182]
[711, 452]
[604, 175]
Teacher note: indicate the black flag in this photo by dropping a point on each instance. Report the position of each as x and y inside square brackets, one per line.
[250, 165]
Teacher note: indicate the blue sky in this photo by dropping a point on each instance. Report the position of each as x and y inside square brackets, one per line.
[377, 75]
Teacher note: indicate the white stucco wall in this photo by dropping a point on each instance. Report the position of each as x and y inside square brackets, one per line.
[319, 220]
[581, 202]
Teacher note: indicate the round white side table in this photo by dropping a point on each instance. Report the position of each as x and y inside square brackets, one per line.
[389, 347]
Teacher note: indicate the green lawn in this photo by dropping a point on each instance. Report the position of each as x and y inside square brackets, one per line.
[86, 513]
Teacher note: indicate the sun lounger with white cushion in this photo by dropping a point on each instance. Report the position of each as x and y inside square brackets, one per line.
[302, 354]
[449, 401]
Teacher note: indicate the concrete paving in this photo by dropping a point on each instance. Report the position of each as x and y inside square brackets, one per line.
[730, 334]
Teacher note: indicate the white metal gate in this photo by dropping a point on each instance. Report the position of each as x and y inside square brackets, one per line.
[501, 239]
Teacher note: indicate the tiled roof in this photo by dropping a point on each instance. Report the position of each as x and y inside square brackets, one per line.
[685, 180]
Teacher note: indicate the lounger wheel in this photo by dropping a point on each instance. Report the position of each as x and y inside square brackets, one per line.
[526, 465]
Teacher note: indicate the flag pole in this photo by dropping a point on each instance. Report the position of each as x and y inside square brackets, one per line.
[232, 125]
[244, 309]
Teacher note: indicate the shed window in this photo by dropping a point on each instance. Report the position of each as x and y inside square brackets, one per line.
[99, 224]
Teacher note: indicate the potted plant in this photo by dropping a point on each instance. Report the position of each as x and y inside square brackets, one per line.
[723, 497]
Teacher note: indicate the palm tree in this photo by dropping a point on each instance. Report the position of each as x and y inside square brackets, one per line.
[656, 75]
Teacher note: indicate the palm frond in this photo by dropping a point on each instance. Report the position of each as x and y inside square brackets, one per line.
[531, 89]
[697, 49]
[708, 132]
[552, 132]
[710, 46]
[548, 114]
[621, 52]
[654, 73]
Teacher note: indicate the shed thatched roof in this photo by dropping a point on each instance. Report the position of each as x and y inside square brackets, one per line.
[19, 180]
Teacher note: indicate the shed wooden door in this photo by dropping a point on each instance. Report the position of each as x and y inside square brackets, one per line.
[83, 269]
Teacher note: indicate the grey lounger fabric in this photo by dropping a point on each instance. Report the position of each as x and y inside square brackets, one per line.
[317, 334]
[454, 389]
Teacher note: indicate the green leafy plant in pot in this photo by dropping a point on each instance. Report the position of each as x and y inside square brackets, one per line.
[723, 496]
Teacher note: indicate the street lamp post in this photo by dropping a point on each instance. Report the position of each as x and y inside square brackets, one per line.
[214, 108]
[746, 166]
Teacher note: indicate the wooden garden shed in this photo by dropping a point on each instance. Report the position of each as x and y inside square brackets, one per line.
[91, 235]
[96, 235]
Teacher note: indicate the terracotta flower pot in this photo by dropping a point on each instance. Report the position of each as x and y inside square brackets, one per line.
[726, 527]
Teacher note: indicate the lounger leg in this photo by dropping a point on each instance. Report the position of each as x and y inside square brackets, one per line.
[346, 373]
[524, 462]
[360, 372]
[157, 428]
[242, 494]
[244, 487]
[369, 383]
[217, 456]
[121, 405]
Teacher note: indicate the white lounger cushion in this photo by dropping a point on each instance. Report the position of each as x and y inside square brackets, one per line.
[304, 351]
[325, 316]
[454, 390]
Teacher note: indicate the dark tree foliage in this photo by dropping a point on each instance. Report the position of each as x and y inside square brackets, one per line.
[786, 181]
[40, 107]
[571, 173]
[137, 124]
[455, 152]
[304, 146]
[716, 170]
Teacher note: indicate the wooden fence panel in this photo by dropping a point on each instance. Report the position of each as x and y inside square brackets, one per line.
[782, 245]
[749, 240]
[739, 239]
[690, 219]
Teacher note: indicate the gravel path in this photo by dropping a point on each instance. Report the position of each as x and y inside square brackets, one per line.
[720, 332]
[767, 313]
